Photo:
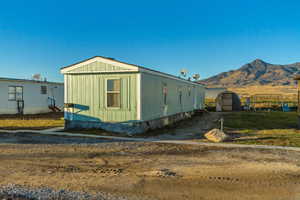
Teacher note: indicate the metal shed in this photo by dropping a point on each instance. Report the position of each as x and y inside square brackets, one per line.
[228, 101]
[212, 93]
[105, 93]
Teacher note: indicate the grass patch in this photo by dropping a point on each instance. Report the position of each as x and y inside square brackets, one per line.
[263, 128]
[278, 137]
[261, 120]
[31, 122]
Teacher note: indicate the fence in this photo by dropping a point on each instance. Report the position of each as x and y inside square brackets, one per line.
[262, 101]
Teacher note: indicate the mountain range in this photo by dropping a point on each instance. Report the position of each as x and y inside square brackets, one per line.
[257, 72]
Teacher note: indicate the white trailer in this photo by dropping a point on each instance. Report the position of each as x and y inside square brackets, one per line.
[20, 96]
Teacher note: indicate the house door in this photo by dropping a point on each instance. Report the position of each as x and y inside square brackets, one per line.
[15, 94]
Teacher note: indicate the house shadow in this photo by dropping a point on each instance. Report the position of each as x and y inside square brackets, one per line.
[36, 138]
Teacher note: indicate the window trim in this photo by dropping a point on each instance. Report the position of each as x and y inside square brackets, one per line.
[15, 93]
[43, 90]
[112, 92]
[180, 94]
[165, 94]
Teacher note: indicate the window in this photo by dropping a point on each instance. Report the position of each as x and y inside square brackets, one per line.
[165, 93]
[15, 93]
[113, 92]
[11, 93]
[189, 91]
[43, 89]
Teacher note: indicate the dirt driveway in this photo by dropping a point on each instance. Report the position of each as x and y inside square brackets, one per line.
[145, 170]
[142, 170]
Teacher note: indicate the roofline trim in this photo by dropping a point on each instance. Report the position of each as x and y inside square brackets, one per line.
[132, 68]
[28, 80]
[69, 68]
[169, 76]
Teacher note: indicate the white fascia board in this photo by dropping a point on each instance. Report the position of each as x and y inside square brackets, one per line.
[66, 97]
[139, 96]
[129, 68]
[167, 76]
[102, 72]
[99, 59]
[29, 81]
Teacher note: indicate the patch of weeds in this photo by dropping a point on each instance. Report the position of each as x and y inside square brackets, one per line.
[261, 120]
[263, 128]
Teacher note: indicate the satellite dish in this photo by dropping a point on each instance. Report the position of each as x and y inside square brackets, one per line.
[183, 72]
[36, 77]
[196, 77]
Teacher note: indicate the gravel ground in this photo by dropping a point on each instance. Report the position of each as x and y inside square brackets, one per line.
[141, 170]
[15, 192]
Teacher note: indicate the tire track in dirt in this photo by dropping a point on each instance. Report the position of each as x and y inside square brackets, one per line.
[237, 180]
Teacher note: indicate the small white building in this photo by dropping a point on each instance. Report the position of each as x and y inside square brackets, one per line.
[19, 96]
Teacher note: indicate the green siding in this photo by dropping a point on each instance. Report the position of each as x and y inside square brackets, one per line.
[96, 67]
[86, 88]
[88, 93]
[153, 101]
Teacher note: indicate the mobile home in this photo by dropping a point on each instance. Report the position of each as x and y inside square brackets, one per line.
[105, 93]
[19, 96]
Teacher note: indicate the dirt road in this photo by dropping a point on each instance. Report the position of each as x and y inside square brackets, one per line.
[153, 171]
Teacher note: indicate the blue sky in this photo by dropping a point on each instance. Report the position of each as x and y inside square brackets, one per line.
[206, 37]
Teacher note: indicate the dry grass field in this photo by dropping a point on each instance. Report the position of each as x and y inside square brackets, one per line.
[31, 122]
[288, 91]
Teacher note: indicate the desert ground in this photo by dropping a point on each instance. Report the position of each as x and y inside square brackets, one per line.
[139, 170]
[147, 170]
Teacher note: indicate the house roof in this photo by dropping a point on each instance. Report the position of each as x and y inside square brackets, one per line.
[140, 68]
[27, 80]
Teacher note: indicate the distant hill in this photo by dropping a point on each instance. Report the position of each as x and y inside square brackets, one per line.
[257, 72]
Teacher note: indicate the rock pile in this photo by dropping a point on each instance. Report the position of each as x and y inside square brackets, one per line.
[16, 192]
[216, 135]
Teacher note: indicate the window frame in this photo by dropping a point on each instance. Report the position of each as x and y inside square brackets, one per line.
[113, 92]
[165, 94]
[15, 93]
[46, 91]
[180, 93]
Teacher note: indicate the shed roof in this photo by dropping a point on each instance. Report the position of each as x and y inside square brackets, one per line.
[134, 67]
[213, 92]
[27, 80]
